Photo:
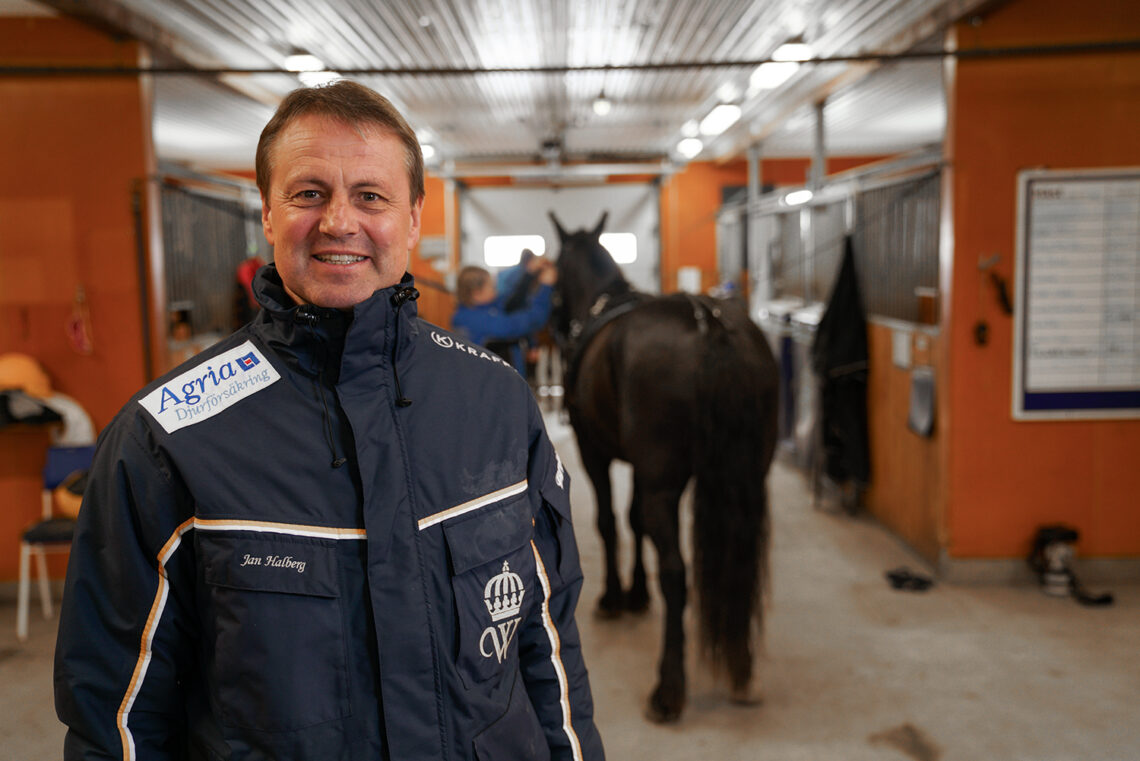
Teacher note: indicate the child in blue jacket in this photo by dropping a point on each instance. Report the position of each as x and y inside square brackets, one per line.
[482, 315]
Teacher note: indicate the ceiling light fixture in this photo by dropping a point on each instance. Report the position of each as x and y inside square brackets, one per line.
[690, 147]
[792, 51]
[798, 197]
[690, 128]
[720, 118]
[428, 151]
[728, 92]
[310, 69]
[785, 61]
[304, 62]
[602, 105]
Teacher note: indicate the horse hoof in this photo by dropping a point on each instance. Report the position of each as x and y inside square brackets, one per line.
[605, 614]
[661, 711]
[745, 698]
[607, 610]
[637, 603]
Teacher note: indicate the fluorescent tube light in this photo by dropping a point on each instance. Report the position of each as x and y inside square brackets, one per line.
[798, 197]
[792, 51]
[769, 76]
[690, 147]
[304, 62]
[720, 118]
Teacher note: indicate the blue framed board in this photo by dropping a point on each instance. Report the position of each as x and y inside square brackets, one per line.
[1077, 302]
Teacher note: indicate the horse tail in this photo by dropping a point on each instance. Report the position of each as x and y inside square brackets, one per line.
[735, 441]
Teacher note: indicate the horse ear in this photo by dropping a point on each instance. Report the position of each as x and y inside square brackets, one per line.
[601, 224]
[557, 226]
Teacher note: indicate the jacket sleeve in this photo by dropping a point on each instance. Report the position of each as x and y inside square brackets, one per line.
[517, 296]
[124, 625]
[550, 652]
[508, 326]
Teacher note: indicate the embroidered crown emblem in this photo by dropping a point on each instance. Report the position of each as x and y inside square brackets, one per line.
[504, 594]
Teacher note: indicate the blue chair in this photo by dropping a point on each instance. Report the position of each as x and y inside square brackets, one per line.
[51, 534]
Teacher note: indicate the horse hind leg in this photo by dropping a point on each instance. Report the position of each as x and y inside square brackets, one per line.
[612, 601]
[637, 599]
[660, 513]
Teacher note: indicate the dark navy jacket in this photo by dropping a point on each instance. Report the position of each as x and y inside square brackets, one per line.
[233, 595]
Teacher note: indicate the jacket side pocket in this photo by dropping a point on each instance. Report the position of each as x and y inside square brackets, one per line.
[494, 582]
[517, 734]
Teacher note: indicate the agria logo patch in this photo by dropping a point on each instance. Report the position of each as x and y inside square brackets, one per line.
[209, 388]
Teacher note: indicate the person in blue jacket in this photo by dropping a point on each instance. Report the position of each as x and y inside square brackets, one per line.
[519, 284]
[483, 316]
[341, 533]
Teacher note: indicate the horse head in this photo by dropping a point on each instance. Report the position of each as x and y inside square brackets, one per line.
[586, 271]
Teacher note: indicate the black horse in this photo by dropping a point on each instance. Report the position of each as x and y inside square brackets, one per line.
[678, 386]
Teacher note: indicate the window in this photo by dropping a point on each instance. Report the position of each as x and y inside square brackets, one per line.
[505, 250]
[622, 246]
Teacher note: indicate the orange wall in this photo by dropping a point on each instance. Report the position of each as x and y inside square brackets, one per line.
[689, 203]
[70, 150]
[1005, 477]
[906, 491]
[435, 304]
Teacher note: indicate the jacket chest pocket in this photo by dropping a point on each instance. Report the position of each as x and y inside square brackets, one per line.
[279, 643]
[495, 586]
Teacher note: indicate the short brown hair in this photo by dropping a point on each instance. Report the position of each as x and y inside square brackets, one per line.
[471, 280]
[348, 102]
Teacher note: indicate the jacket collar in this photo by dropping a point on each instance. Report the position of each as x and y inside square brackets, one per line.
[330, 342]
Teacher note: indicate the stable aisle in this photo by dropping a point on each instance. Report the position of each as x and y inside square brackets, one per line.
[855, 671]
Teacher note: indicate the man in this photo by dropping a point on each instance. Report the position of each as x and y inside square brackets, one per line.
[340, 533]
[501, 320]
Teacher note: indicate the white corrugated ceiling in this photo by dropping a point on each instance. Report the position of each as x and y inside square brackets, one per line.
[686, 57]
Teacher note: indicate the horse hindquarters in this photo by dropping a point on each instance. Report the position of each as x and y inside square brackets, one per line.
[735, 441]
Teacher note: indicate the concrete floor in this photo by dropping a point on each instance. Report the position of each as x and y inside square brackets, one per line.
[853, 670]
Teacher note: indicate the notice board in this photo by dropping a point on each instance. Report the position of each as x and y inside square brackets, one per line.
[1077, 332]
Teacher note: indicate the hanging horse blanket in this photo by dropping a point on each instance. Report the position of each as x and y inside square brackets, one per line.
[839, 358]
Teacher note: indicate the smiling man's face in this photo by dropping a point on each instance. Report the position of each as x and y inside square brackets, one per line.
[339, 212]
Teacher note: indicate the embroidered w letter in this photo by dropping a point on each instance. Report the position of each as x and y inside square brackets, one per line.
[500, 636]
